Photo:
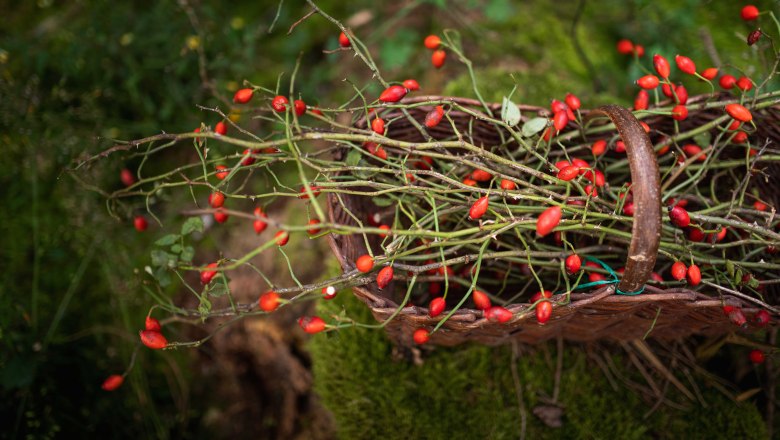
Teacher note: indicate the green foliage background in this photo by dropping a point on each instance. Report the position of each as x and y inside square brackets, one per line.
[74, 75]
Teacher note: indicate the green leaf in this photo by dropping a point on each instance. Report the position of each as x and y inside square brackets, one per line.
[534, 126]
[730, 268]
[204, 307]
[738, 276]
[703, 139]
[753, 283]
[176, 248]
[510, 113]
[193, 224]
[218, 289]
[187, 254]
[382, 201]
[161, 258]
[162, 276]
[353, 158]
[167, 240]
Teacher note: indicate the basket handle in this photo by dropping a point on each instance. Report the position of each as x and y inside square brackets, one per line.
[646, 184]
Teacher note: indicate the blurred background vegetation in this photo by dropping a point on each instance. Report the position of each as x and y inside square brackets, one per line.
[75, 75]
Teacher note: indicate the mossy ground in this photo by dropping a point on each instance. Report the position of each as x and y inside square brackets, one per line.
[468, 392]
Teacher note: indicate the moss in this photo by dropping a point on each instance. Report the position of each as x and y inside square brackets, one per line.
[468, 392]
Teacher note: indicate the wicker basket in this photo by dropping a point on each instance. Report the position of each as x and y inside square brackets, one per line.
[598, 315]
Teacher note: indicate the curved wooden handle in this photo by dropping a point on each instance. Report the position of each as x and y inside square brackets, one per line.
[646, 188]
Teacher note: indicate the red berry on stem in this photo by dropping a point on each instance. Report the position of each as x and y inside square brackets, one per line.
[220, 173]
[498, 314]
[268, 301]
[661, 66]
[679, 270]
[744, 83]
[479, 208]
[152, 339]
[481, 175]
[508, 185]
[393, 94]
[573, 101]
[344, 40]
[727, 81]
[648, 82]
[540, 295]
[749, 13]
[220, 128]
[300, 107]
[365, 263]
[681, 93]
[679, 112]
[599, 147]
[620, 147]
[481, 299]
[694, 275]
[216, 199]
[259, 224]
[560, 120]
[759, 206]
[548, 220]
[558, 106]
[282, 237]
[710, 73]
[679, 216]
[438, 57]
[248, 159]
[762, 318]
[220, 216]
[757, 356]
[421, 336]
[639, 50]
[625, 47]
[329, 292]
[127, 177]
[433, 118]
[739, 112]
[207, 275]
[685, 64]
[543, 312]
[573, 263]
[112, 382]
[311, 324]
[315, 190]
[642, 100]
[753, 37]
[314, 230]
[243, 96]
[692, 150]
[568, 173]
[378, 126]
[436, 307]
[432, 42]
[140, 223]
[279, 103]
[384, 277]
[152, 324]
[411, 84]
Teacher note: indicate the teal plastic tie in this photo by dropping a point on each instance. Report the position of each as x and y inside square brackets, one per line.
[614, 280]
